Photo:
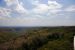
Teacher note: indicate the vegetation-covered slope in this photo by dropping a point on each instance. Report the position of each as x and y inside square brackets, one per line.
[45, 38]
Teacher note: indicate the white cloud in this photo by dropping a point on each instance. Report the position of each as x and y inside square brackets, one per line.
[40, 8]
[54, 5]
[4, 12]
[19, 8]
[55, 11]
[11, 2]
[35, 2]
[35, 22]
[41, 15]
[16, 5]
[51, 7]
[18, 21]
[70, 8]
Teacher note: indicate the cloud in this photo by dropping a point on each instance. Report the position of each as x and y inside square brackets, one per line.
[35, 22]
[51, 7]
[18, 21]
[11, 2]
[40, 8]
[19, 8]
[42, 14]
[70, 8]
[4, 12]
[16, 6]
[54, 5]
[35, 2]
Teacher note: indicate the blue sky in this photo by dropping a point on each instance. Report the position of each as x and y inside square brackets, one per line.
[37, 12]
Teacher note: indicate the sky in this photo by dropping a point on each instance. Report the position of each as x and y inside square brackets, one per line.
[37, 13]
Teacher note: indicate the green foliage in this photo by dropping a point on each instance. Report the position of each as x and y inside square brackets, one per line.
[46, 38]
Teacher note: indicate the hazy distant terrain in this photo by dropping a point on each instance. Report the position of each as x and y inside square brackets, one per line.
[37, 38]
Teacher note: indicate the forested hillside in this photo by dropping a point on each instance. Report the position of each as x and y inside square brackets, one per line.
[37, 38]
